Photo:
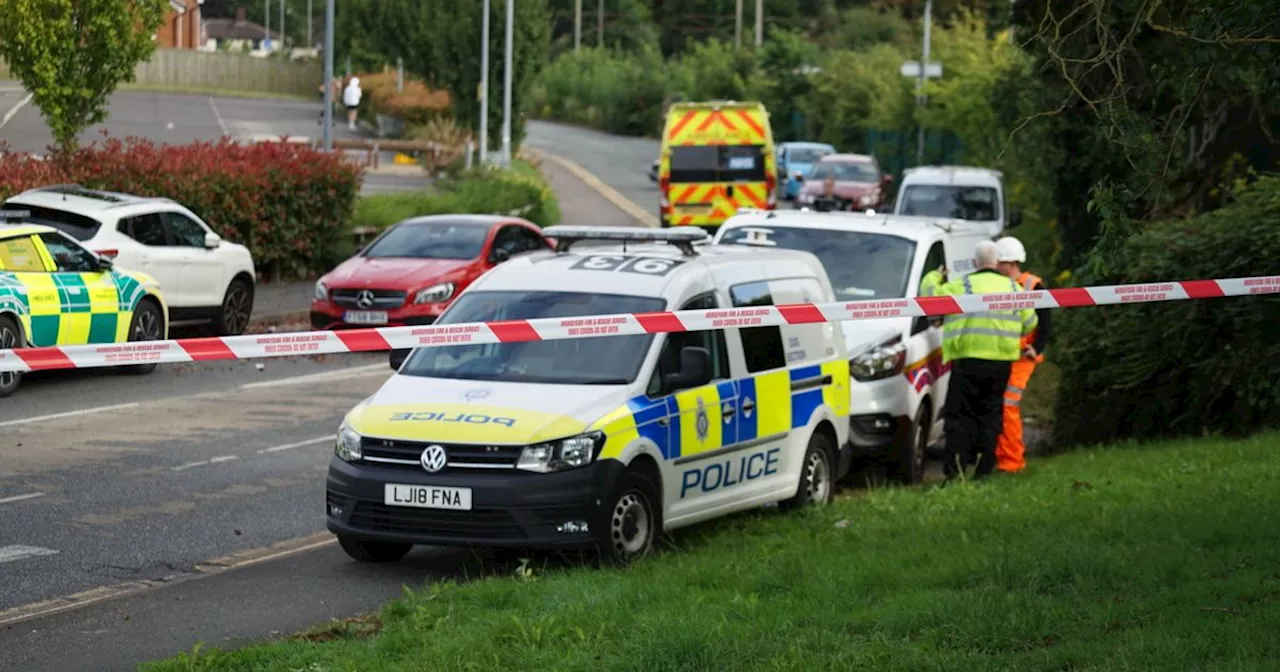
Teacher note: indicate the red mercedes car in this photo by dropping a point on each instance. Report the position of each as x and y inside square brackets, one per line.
[414, 270]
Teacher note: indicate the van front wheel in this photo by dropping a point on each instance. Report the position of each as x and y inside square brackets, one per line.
[817, 485]
[631, 525]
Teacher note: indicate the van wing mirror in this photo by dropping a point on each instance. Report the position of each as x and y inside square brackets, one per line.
[1015, 219]
[695, 369]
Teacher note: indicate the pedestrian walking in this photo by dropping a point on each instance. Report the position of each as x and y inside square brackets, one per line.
[351, 98]
[981, 348]
[1010, 447]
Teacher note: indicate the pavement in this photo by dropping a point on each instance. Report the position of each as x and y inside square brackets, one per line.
[620, 163]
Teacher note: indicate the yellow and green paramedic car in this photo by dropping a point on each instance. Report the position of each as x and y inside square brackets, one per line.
[53, 291]
[602, 442]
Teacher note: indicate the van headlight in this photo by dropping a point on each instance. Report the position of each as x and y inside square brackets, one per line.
[883, 361]
[434, 294]
[348, 444]
[570, 453]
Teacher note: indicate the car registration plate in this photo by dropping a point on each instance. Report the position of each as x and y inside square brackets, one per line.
[365, 317]
[427, 497]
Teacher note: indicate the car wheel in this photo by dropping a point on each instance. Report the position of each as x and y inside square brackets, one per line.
[10, 339]
[374, 551]
[147, 325]
[907, 466]
[632, 523]
[237, 306]
[817, 485]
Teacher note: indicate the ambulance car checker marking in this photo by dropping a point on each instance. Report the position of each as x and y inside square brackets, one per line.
[600, 442]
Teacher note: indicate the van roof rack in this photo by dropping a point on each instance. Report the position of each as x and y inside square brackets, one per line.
[683, 238]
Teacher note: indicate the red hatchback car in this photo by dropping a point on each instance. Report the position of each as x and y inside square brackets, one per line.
[414, 270]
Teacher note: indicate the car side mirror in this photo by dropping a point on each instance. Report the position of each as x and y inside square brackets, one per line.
[695, 369]
[105, 263]
[212, 240]
[499, 255]
[1015, 219]
[398, 356]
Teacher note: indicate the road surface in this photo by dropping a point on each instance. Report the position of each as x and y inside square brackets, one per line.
[620, 162]
[178, 118]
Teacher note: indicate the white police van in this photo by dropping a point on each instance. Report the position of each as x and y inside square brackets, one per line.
[899, 381]
[599, 442]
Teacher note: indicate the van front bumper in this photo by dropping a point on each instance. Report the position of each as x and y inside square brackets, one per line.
[509, 509]
[879, 416]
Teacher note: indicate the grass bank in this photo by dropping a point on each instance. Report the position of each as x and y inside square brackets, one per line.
[522, 187]
[1119, 558]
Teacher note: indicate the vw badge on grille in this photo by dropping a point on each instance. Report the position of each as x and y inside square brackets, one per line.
[364, 299]
[433, 458]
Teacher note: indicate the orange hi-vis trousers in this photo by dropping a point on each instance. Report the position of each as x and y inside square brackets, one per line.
[1010, 450]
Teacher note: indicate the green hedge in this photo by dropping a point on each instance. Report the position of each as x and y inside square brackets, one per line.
[488, 190]
[1185, 367]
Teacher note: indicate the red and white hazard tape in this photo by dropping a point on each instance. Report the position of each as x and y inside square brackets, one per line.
[387, 338]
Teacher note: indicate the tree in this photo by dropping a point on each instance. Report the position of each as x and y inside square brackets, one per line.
[72, 54]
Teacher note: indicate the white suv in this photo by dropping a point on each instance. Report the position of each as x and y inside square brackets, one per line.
[898, 381]
[206, 279]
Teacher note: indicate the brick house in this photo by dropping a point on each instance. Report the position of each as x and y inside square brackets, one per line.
[181, 28]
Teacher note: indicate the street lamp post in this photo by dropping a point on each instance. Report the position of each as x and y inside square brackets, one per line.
[328, 76]
[484, 85]
[506, 86]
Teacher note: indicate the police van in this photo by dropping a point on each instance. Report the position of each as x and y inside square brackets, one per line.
[899, 381]
[599, 442]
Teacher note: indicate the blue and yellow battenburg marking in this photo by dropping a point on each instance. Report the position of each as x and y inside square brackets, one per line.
[697, 422]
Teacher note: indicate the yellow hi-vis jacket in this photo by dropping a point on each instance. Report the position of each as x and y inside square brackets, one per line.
[994, 334]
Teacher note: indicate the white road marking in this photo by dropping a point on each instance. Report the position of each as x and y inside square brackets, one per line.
[218, 115]
[19, 498]
[14, 110]
[287, 446]
[353, 372]
[68, 414]
[203, 463]
[20, 552]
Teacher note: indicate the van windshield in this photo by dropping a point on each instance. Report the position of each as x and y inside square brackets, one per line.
[861, 265]
[602, 360]
[717, 163]
[979, 204]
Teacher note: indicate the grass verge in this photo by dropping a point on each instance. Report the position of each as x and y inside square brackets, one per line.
[1119, 558]
[477, 192]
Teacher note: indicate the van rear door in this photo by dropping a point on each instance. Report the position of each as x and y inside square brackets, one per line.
[721, 159]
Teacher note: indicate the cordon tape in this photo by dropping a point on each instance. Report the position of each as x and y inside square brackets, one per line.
[545, 329]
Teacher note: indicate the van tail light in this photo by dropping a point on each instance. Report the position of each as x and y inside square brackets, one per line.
[664, 183]
[109, 254]
[771, 188]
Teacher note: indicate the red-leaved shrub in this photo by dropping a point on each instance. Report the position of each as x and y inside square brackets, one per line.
[291, 204]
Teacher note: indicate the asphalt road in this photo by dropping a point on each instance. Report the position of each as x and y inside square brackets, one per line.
[620, 162]
[176, 118]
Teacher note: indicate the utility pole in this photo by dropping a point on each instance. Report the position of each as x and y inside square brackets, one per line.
[506, 86]
[759, 22]
[600, 25]
[484, 85]
[310, 21]
[281, 24]
[328, 75]
[920, 96]
[737, 26]
[577, 25]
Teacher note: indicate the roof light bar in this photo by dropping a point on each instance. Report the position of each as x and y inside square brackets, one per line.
[682, 237]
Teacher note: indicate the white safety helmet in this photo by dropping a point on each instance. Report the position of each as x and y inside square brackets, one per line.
[1011, 249]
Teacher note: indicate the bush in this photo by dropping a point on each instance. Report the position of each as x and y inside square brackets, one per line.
[480, 190]
[1179, 368]
[415, 105]
[288, 203]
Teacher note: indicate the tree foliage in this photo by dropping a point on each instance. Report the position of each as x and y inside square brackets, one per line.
[72, 54]
[440, 42]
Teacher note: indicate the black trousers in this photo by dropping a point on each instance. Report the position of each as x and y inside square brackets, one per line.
[974, 414]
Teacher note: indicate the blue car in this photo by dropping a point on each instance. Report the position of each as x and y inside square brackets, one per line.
[798, 157]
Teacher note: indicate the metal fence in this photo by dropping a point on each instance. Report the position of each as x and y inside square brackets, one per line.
[188, 69]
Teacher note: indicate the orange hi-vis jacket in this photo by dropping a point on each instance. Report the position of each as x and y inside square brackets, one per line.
[1027, 281]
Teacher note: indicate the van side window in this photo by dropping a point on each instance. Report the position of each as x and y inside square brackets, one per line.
[761, 345]
[937, 257]
[712, 340]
